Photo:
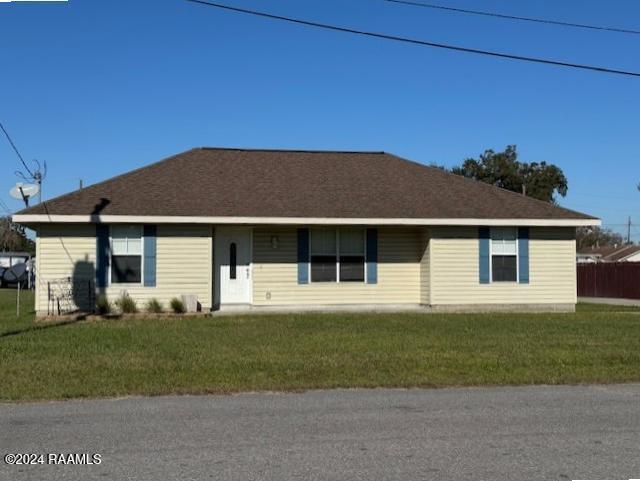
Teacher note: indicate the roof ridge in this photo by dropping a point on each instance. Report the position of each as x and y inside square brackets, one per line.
[313, 151]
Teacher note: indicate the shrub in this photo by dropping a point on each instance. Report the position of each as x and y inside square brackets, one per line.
[177, 305]
[154, 305]
[103, 306]
[126, 304]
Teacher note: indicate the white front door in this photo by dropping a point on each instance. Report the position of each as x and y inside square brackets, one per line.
[233, 261]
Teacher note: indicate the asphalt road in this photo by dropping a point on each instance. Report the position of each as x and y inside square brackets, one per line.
[531, 433]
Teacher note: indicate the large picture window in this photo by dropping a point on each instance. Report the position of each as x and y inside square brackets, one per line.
[504, 254]
[337, 255]
[351, 255]
[126, 254]
[324, 255]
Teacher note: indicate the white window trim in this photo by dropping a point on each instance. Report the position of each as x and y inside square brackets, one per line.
[126, 284]
[491, 281]
[337, 281]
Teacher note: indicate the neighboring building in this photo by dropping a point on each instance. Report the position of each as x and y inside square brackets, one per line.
[623, 253]
[307, 229]
[8, 259]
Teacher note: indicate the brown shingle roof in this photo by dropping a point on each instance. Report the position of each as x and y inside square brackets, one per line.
[623, 252]
[602, 251]
[281, 183]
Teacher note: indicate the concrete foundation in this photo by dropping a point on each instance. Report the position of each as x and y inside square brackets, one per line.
[503, 308]
[382, 308]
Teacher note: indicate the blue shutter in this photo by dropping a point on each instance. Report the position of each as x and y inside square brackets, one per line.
[303, 256]
[102, 255]
[484, 234]
[523, 255]
[149, 274]
[372, 256]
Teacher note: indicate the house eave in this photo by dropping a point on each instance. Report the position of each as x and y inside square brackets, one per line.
[34, 219]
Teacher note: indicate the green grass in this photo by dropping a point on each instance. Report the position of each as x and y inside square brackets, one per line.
[296, 352]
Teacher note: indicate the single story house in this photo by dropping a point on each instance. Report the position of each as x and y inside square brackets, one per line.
[240, 228]
[616, 253]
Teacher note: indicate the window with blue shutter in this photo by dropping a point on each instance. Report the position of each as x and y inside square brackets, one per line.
[372, 256]
[523, 255]
[126, 254]
[484, 235]
[150, 248]
[303, 256]
[504, 254]
[102, 255]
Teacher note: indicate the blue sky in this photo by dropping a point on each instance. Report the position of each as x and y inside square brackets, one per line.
[97, 88]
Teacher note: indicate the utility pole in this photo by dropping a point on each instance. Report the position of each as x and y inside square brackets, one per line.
[629, 231]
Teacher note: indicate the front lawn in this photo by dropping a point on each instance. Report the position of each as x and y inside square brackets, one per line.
[295, 352]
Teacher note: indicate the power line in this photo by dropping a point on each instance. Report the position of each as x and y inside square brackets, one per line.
[16, 149]
[514, 17]
[418, 42]
[5, 207]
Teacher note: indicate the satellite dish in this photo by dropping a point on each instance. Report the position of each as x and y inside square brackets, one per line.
[15, 273]
[23, 191]
[20, 190]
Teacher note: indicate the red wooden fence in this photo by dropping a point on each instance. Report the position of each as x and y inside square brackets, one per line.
[609, 279]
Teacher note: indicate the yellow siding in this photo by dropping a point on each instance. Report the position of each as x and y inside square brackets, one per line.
[183, 266]
[63, 251]
[275, 272]
[438, 268]
[455, 269]
[184, 262]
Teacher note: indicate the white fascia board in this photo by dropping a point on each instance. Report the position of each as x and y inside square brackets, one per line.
[151, 219]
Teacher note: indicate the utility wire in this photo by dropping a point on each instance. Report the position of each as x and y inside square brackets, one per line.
[4, 207]
[15, 149]
[418, 42]
[514, 17]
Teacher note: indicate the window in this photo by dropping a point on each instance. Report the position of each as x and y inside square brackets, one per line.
[351, 255]
[323, 255]
[126, 254]
[504, 254]
[337, 255]
[233, 262]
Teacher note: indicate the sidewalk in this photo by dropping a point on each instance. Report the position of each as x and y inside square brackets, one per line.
[610, 300]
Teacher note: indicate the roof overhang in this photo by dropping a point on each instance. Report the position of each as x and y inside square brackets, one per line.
[31, 219]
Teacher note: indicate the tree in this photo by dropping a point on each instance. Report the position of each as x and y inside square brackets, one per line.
[536, 179]
[14, 238]
[587, 237]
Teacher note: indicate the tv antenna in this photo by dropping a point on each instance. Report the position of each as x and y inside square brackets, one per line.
[24, 191]
[36, 176]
